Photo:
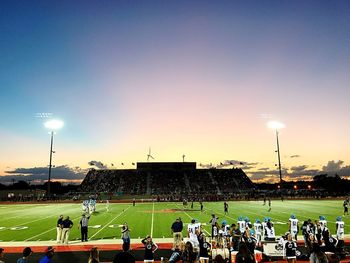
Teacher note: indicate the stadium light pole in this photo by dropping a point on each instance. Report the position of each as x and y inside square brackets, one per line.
[52, 125]
[275, 125]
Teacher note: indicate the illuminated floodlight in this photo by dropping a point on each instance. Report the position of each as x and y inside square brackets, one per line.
[54, 124]
[275, 125]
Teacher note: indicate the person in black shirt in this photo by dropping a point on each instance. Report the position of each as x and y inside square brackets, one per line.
[124, 257]
[236, 237]
[176, 229]
[330, 242]
[346, 206]
[189, 256]
[225, 208]
[83, 225]
[150, 248]
[290, 248]
[176, 256]
[244, 255]
[304, 230]
[204, 247]
[249, 239]
[67, 224]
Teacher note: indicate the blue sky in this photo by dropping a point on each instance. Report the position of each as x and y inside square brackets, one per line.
[190, 77]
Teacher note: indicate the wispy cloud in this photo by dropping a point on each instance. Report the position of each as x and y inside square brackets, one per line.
[300, 172]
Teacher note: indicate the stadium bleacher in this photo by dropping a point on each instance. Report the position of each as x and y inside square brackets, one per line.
[167, 180]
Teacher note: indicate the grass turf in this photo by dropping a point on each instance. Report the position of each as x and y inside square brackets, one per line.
[39, 220]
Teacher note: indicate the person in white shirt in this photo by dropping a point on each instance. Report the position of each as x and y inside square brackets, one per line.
[193, 230]
[339, 226]
[293, 227]
[241, 224]
[258, 229]
[323, 222]
[270, 231]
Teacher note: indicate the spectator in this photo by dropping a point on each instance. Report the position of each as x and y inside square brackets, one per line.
[94, 255]
[26, 254]
[124, 257]
[1, 255]
[243, 255]
[189, 256]
[176, 229]
[311, 242]
[49, 253]
[177, 253]
[219, 259]
[317, 256]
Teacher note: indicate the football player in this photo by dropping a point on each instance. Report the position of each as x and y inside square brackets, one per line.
[293, 227]
[258, 230]
[193, 230]
[241, 224]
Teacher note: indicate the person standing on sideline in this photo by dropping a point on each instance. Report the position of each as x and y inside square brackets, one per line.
[26, 254]
[133, 202]
[67, 225]
[107, 205]
[126, 236]
[83, 225]
[226, 208]
[49, 252]
[293, 227]
[176, 229]
[346, 206]
[213, 222]
[59, 228]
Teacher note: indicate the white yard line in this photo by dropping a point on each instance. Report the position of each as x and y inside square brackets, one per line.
[27, 223]
[152, 220]
[109, 222]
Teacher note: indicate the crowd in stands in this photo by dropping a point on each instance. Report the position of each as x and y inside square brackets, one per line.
[208, 182]
[124, 181]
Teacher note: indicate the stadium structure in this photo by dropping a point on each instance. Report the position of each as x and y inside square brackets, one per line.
[167, 178]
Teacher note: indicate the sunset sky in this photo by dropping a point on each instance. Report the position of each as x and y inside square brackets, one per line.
[200, 78]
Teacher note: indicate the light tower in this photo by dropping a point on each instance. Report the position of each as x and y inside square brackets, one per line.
[275, 125]
[52, 125]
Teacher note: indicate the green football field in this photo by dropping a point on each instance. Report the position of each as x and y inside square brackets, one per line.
[36, 222]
